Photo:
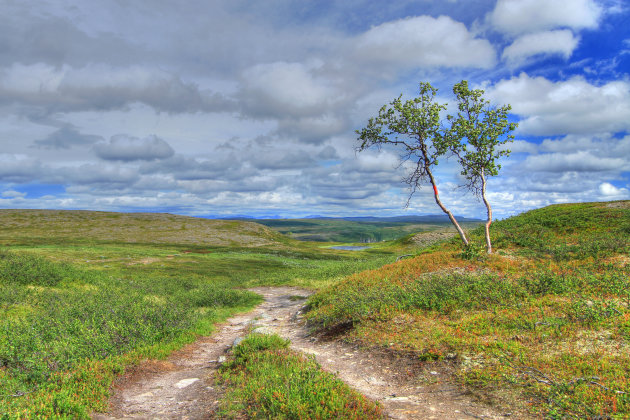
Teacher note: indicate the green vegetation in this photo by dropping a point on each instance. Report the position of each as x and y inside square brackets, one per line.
[541, 325]
[368, 231]
[546, 319]
[83, 295]
[267, 380]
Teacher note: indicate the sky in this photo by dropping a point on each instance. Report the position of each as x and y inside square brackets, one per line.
[223, 108]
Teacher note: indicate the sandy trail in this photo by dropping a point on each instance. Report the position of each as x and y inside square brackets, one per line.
[182, 387]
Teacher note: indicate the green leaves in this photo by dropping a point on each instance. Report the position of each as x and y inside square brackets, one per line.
[477, 135]
[413, 125]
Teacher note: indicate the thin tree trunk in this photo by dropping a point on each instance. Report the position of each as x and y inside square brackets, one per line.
[444, 209]
[489, 221]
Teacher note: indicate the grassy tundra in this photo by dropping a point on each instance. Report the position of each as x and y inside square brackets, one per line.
[85, 294]
[543, 325]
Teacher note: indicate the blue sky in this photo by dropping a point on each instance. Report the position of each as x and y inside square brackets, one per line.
[243, 107]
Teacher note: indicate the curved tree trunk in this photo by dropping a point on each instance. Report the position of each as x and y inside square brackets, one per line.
[444, 209]
[489, 221]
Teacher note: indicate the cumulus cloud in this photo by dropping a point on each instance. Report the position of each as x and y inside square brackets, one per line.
[315, 129]
[610, 192]
[559, 42]
[516, 17]
[295, 159]
[328, 153]
[366, 177]
[103, 87]
[281, 88]
[19, 168]
[65, 138]
[424, 41]
[573, 106]
[106, 176]
[521, 146]
[125, 148]
[581, 161]
[12, 194]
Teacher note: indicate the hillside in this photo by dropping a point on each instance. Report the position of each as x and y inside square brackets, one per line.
[85, 296]
[542, 326]
[155, 228]
[362, 229]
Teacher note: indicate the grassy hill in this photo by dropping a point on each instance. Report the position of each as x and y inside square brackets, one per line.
[153, 228]
[543, 325]
[83, 295]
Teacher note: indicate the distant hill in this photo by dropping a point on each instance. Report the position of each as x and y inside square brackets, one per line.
[79, 226]
[430, 218]
[361, 229]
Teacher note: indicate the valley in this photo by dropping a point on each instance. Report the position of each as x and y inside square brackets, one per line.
[539, 328]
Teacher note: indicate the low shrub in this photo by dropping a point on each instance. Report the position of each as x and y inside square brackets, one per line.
[267, 380]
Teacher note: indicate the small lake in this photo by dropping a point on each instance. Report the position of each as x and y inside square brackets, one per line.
[349, 247]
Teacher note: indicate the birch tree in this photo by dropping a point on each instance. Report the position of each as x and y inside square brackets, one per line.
[414, 127]
[477, 136]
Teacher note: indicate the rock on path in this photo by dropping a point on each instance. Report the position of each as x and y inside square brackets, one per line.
[182, 386]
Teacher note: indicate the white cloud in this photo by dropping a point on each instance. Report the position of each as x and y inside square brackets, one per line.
[281, 88]
[424, 41]
[12, 194]
[102, 87]
[516, 17]
[561, 42]
[106, 177]
[521, 146]
[125, 148]
[581, 161]
[574, 106]
[19, 168]
[610, 192]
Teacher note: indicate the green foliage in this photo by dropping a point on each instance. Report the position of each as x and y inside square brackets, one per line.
[413, 126]
[255, 343]
[477, 134]
[566, 231]
[31, 270]
[80, 326]
[216, 296]
[78, 306]
[472, 251]
[266, 380]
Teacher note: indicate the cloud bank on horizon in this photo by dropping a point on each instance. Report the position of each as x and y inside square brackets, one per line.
[242, 107]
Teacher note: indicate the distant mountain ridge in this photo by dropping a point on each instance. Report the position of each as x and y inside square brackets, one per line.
[429, 218]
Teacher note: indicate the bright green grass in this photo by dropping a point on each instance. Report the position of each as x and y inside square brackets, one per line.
[76, 309]
[266, 380]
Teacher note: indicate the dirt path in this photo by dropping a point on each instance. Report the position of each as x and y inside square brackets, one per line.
[182, 386]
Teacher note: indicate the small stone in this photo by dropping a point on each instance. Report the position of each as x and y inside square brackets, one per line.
[185, 382]
[222, 359]
[145, 395]
[433, 372]
[263, 330]
[397, 398]
[238, 341]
